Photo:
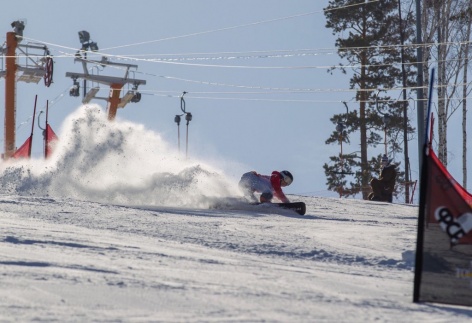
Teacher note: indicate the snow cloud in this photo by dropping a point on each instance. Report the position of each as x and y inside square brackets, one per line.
[117, 162]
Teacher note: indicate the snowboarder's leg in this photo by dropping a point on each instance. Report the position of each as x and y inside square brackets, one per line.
[266, 197]
[246, 185]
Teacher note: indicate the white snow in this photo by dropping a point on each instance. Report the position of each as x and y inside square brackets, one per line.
[117, 226]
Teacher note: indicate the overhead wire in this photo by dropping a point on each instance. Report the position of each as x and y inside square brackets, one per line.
[330, 51]
[301, 100]
[300, 67]
[52, 103]
[290, 54]
[322, 50]
[27, 120]
[271, 54]
[272, 89]
[241, 26]
[245, 53]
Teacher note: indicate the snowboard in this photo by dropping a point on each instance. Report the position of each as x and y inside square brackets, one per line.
[298, 207]
[242, 204]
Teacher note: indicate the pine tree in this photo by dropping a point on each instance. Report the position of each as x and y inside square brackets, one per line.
[369, 41]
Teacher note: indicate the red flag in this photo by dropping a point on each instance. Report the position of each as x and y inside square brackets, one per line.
[459, 189]
[448, 203]
[51, 139]
[25, 150]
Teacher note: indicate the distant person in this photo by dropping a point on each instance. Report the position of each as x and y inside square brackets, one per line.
[268, 186]
[382, 187]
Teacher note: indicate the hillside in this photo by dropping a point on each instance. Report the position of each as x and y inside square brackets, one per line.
[345, 261]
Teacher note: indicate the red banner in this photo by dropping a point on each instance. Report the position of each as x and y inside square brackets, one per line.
[25, 150]
[50, 139]
[459, 189]
[448, 203]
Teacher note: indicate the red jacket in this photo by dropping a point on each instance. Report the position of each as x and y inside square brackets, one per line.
[275, 180]
[272, 182]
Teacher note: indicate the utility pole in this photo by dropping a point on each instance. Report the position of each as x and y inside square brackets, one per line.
[405, 109]
[419, 91]
[41, 67]
[10, 95]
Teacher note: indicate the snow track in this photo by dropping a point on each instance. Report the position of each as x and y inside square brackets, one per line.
[345, 261]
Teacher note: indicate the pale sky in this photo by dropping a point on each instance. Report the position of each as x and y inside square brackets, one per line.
[264, 105]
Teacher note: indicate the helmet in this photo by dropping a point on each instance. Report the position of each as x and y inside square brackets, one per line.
[287, 177]
[385, 160]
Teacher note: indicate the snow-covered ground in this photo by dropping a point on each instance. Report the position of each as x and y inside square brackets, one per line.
[112, 230]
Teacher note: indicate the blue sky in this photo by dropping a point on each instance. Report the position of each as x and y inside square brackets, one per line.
[243, 63]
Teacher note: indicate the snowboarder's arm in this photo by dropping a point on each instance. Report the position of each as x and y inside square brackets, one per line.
[278, 193]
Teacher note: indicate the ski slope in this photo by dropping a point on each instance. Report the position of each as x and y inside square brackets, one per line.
[117, 227]
[345, 261]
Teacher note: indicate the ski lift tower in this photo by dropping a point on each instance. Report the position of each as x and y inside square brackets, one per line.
[37, 65]
[115, 83]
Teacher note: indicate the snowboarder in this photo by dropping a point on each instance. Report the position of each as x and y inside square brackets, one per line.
[268, 186]
[382, 187]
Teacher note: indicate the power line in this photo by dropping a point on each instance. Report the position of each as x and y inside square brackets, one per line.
[247, 53]
[311, 52]
[238, 26]
[193, 96]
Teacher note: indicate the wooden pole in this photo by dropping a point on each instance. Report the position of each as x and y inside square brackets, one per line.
[10, 95]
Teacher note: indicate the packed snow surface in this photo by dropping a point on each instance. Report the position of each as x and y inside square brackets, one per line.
[117, 226]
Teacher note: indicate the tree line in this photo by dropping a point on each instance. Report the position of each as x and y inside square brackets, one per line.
[377, 42]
